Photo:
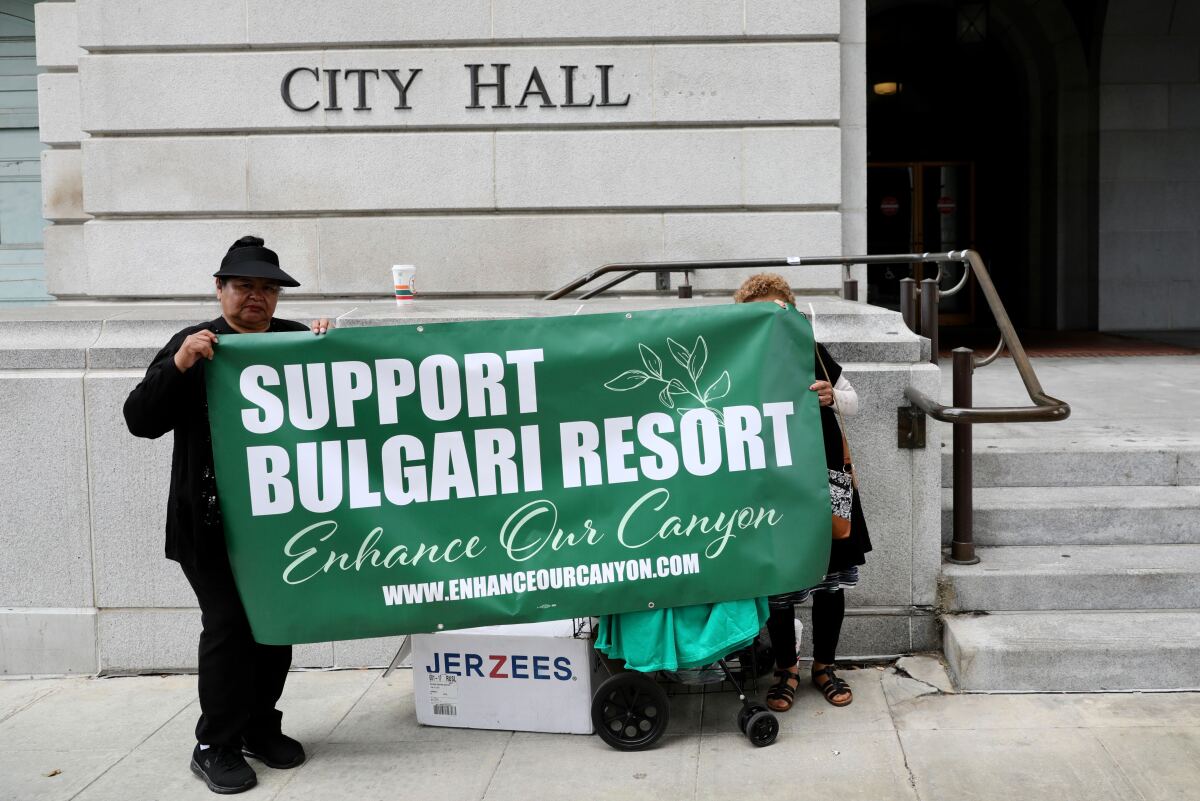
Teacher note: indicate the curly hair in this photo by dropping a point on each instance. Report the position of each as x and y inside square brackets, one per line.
[764, 285]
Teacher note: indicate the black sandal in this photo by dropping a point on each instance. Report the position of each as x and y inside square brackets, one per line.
[782, 691]
[833, 687]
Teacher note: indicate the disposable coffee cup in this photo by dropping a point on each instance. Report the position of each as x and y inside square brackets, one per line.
[404, 278]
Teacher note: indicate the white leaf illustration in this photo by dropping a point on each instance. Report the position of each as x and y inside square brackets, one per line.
[676, 387]
[718, 388]
[630, 379]
[681, 354]
[717, 413]
[699, 358]
[651, 360]
[665, 397]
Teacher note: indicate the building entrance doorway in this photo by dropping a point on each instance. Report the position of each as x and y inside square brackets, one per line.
[918, 207]
[959, 155]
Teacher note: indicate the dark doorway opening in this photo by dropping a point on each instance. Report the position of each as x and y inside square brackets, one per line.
[951, 152]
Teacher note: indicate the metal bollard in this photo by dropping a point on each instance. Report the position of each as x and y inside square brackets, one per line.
[929, 316]
[962, 542]
[908, 303]
[685, 289]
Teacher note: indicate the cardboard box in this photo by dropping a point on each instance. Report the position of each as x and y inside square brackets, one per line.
[525, 677]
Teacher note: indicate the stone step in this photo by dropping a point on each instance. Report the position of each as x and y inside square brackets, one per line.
[1079, 462]
[1082, 515]
[1088, 651]
[1047, 577]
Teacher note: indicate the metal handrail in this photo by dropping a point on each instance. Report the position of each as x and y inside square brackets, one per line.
[630, 269]
[962, 414]
[978, 363]
[1045, 407]
[954, 290]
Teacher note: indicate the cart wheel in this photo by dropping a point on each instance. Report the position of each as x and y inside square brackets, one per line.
[746, 712]
[762, 728]
[630, 712]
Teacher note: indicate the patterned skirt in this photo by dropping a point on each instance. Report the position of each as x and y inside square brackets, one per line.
[833, 581]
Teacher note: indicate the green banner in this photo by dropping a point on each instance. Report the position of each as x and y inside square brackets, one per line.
[389, 480]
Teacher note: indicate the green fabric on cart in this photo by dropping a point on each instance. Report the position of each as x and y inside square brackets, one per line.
[681, 637]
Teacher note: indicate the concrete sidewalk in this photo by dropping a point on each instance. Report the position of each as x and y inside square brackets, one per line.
[129, 739]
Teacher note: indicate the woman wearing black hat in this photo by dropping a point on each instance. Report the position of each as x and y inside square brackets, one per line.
[240, 680]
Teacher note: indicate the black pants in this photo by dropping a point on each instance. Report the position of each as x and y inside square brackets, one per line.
[240, 680]
[828, 610]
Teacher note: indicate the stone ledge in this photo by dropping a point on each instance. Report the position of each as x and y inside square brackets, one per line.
[54, 341]
[114, 336]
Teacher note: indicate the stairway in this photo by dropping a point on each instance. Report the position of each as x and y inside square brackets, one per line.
[1089, 573]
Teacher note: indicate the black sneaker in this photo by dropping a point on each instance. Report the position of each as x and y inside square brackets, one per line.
[275, 749]
[223, 769]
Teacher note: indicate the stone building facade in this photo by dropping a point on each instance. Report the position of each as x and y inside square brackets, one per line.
[502, 147]
[506, 146]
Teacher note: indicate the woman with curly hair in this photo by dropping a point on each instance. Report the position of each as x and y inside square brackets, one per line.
[845, 556]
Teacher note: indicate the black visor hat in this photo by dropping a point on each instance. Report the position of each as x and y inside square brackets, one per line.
[254, 262]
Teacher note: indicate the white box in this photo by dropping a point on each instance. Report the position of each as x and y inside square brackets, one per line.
[525, 677]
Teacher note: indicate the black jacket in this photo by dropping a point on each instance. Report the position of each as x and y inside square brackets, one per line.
[168, 400]
[853, 550]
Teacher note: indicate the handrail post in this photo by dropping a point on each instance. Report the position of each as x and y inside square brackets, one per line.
[849, 284]
[962, 543]
[908, 302]
[929, 316]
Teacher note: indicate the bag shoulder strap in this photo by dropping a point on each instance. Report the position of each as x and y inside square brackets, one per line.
[846, 457]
